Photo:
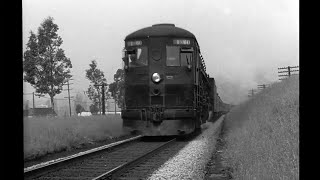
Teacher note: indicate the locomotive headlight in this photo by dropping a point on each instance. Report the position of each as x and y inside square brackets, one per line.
[156, 77]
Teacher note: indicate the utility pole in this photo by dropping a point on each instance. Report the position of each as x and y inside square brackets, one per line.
[262, 86]
[115, 102]
[33, 100]
[103, 100]
[103, 97]
[251, 93]
[288, 71]
[115, 106]
[68, 84]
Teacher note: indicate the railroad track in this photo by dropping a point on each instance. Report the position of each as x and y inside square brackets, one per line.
[107, 162]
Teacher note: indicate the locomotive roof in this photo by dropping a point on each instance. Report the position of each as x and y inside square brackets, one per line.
[157, 30]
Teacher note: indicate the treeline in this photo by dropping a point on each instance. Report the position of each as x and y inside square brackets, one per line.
[94, 92]
[48, 69]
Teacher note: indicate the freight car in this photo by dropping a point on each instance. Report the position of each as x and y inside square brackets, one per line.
[166, 88]
[218, 107]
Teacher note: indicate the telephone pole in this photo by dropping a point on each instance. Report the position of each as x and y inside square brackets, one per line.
[251, 92]
[103, 97]
[33, 100]
[103, 100]
[68, 84]
[262, 86]
[288, 71]
[115, 97]
[115, 106]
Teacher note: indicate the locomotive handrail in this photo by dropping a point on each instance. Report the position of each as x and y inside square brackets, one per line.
[202, 62]
[141, 114]
[145, 112]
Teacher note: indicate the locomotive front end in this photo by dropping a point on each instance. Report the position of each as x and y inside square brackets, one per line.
[159, 81]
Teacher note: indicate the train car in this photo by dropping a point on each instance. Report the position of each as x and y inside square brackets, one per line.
[166, 88]
[221, 107]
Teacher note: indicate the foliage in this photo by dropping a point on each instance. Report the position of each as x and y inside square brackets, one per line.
[96, 77]
[117, 87]
[79, 108]
[79, 100]
[45, 64]
[94, 109]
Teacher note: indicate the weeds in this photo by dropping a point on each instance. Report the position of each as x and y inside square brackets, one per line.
[263, 134]
[44, 135]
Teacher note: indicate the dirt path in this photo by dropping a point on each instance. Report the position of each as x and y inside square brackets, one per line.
[215, 169]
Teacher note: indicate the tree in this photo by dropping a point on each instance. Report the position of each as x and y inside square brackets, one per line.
[79, 108]
[96, 77]
[94, 109]
[45, 64]
[117, 87]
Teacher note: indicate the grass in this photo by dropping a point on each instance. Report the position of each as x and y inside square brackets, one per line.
[44, 135]
[262, 139]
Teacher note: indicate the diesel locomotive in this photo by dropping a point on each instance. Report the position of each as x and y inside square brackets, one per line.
[166, 88]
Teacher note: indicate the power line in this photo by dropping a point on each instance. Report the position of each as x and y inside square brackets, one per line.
[67, 99]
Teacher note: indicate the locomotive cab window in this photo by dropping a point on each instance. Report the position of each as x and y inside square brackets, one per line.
[186, 56]
[138, 57]
[173, 58]
[186, 59]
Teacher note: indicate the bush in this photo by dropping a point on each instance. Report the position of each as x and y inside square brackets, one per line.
[79, 108]
[94, 109]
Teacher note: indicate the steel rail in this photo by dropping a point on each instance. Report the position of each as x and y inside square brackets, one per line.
[117, 171]
[46, 167]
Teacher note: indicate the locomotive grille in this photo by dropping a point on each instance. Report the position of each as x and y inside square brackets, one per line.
[178, 95]
[137, 95]
[156, 100]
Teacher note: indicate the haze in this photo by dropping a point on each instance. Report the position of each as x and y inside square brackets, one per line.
[242, 42]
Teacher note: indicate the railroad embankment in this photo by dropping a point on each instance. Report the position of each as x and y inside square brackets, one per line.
[190, 161]
[262, 135]
[45, 135]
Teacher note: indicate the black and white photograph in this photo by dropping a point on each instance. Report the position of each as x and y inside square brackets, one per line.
[150, 90]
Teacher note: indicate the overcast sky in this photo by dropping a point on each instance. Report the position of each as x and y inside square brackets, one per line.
[242, 42]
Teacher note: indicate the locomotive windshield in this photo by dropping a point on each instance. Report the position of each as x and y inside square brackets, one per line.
[177, 58]
[138, 57]
[173, 56]
[186, 59]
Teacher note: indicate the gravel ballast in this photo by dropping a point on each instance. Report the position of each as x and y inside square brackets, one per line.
[191, 161]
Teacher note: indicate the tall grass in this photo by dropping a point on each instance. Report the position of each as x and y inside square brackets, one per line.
[44, 135]
[262, 139]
